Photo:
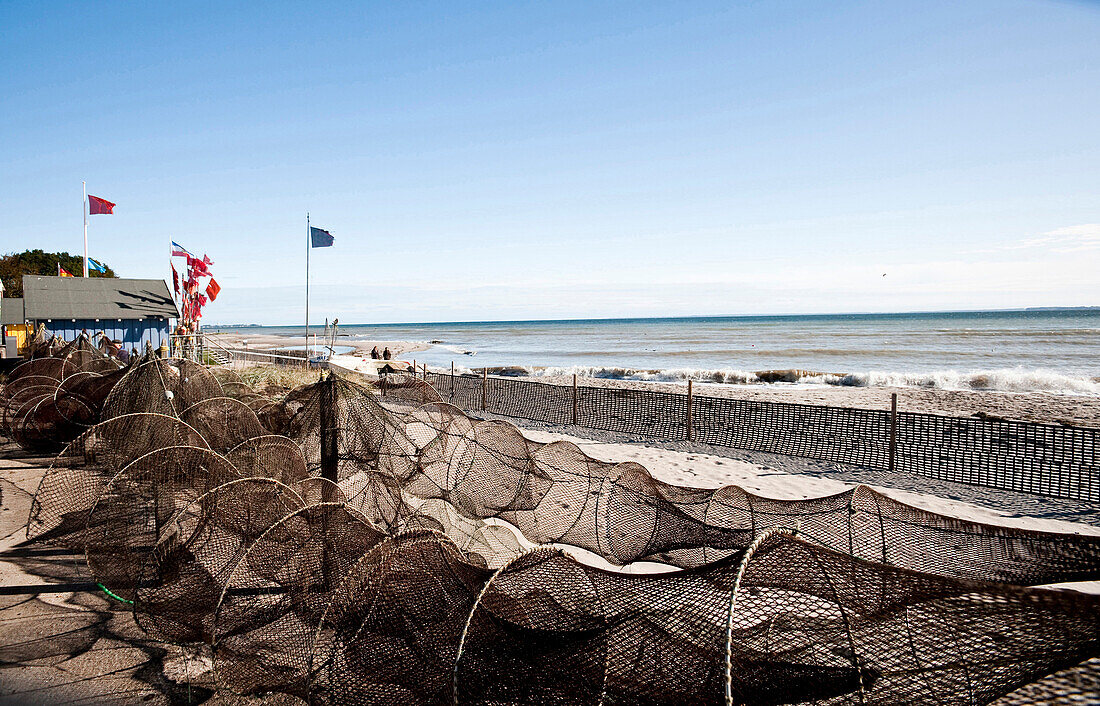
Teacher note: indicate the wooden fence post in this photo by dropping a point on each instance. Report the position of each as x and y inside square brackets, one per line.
[414, 367]
[452, 381]
[689, 429]
[893, 430]
[484, 387]
[574, 399]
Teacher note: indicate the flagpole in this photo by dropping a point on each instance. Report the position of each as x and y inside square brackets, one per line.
[84, 186]
[307, 288]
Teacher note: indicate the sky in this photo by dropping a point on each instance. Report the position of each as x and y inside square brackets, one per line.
[515, 160]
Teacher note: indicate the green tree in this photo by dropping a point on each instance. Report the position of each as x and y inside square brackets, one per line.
[38, 262]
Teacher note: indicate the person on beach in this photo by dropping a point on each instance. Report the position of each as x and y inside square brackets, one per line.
[386, 355]
[375, 354]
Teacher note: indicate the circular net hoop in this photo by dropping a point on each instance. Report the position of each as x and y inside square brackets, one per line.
[197, 550]
[393, 630]
[77, 477]
[80, 396]
[359, 420]
[162, 386]
[267, 617]
[270, 456]
[138, 508]
[223, 421]
[400, 390]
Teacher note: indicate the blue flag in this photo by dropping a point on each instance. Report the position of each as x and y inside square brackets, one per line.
[320, 238]
[97, 266]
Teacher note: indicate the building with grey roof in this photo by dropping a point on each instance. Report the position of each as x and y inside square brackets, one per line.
[133, 311]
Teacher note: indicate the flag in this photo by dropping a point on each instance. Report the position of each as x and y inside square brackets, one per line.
[320, 238]
[213, 289]
[97, 266]
[98, 205]
[198, 267]
[175, 278]
[206, 259]
[62, 272]
[178, 250]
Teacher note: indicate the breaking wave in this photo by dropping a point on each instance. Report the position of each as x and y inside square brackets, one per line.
[999, 380]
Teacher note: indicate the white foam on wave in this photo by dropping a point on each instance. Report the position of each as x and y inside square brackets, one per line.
[998, 380]
[1001, 380]
[723, 375]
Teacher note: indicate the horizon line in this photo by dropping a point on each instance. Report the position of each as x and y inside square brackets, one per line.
[674, 318]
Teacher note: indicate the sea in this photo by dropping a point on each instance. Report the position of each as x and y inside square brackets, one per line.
[1011, 351]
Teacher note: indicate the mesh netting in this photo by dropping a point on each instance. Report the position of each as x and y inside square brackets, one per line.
[393, 550]
[73, 484]
[49, 400]
[223, 421]
[163, 386]
[180, 584]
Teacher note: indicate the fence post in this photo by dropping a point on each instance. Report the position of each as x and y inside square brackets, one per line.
[452, 381]
[414, 367]
[329, 453]
[574, 399]
[484, 387]
[893, 429]
[689, 429]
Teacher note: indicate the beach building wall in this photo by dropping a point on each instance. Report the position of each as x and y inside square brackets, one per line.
[133, 311]
[14, 326]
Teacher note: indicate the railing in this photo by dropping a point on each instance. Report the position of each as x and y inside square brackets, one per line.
[236, 355]
[204, 348]
[1046, 459]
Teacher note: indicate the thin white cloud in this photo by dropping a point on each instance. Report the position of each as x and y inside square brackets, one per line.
[1085, 236]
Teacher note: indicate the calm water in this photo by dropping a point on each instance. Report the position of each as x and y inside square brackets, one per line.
[1017, 350]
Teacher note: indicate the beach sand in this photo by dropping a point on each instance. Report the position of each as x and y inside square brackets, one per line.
[268, 342]
[1046, 407]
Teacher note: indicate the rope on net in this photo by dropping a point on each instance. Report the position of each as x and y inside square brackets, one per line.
[749, 553]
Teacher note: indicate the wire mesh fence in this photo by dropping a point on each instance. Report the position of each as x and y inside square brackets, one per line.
[1047, 459]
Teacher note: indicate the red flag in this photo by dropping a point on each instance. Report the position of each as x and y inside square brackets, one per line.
[212, 289]
[98, 205]
[62, 272]
[206, 259]
[198, 267]
[175, 279]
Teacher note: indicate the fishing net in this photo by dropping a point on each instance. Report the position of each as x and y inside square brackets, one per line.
[270, 456]
[162, 386]
[400, 389]
[73, 483]
[223, 421]
[556, 494]
[137, 507]
[48, 401]
[394, 552]
[267, 618]
[180, 583]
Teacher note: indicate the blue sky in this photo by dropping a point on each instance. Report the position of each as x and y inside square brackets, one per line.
[556, 160]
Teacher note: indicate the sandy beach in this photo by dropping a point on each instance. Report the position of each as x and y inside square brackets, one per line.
[270, 342]
[1046, 407]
